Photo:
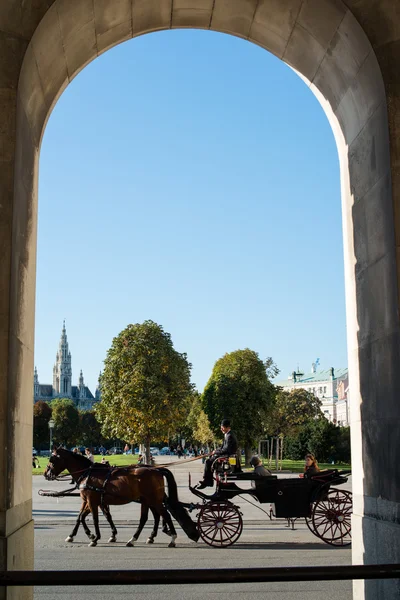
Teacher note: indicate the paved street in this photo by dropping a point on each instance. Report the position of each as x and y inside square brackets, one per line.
[263, 543]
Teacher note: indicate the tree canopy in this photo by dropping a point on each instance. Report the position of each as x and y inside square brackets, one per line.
[144, 385]
[41, 418]
[291, 410]
[89, 430]
[197, 422]
[327, 441]
[240, 389]
[66, 421]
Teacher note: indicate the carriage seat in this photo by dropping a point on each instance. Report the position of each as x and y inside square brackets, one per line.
[226, 464]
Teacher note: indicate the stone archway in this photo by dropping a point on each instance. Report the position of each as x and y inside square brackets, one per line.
[45, 43]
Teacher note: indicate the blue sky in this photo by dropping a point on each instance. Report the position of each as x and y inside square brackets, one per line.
[191, 178]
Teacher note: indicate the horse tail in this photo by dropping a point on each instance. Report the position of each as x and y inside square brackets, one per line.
[176, 509]
[172, 497]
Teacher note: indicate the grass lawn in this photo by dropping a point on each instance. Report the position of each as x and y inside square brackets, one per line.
[118, 460]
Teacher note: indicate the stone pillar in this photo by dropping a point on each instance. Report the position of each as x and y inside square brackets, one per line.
[376, 517]
[16, 338]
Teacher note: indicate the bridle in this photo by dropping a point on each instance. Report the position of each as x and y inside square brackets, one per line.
[51, 476]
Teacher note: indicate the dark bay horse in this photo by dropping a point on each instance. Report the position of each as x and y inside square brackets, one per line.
[102, 486]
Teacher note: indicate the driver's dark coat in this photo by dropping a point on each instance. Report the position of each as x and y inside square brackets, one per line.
[229, 446]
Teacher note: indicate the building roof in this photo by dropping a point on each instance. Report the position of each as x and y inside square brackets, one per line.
[75, 393]
[45, 390]
[312, 378]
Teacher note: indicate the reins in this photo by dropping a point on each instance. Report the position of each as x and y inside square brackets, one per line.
[179, 462]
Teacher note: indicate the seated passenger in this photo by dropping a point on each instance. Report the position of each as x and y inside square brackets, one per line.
[259, 468]
[311, 466]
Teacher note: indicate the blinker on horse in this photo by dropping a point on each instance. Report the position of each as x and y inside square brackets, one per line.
[101, 486]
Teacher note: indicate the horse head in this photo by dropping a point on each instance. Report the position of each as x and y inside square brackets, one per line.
[55, 466]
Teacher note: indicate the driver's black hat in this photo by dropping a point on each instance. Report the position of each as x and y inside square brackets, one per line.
[225, 423]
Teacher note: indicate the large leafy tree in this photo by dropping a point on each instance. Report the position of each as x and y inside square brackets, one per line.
[41, 418]
[240, 389]
[66, 421]
[291, 410]
[89, 430]
[144, 385]
[327, 441]
[197, 422]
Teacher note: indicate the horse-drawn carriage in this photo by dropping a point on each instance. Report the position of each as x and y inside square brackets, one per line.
[326, 509]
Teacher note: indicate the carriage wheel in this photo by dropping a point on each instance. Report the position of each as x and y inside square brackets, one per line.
[331, 518]
[310, 525]
[220, 524]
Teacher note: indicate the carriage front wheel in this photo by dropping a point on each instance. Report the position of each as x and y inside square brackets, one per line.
[220, 524]
[331, 517]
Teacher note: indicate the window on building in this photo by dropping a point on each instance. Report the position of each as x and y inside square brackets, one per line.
[324, 389]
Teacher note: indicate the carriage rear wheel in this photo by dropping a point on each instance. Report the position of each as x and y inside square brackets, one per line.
[220, 524]
[331, 518]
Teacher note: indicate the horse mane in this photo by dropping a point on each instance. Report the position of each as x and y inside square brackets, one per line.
[80, 457]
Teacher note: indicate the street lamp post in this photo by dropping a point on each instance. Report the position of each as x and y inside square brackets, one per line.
[51, 427]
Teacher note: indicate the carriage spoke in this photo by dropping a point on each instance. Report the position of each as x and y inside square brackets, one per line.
[220, 524]
[331, 518]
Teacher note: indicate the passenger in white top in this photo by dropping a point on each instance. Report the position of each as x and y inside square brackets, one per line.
[89, 455]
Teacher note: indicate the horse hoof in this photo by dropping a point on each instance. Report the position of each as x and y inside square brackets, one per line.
[69, 539]
[92, 544]
[172, 545]
[129, 545]
[112, 540]
[150, 541]
[92, 536]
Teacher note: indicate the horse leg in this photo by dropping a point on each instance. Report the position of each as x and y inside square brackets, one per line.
[168, 521]
[94, 509]
[144, 512]
[153, 534]
[82, 513]
[107, 514]
[91, 536]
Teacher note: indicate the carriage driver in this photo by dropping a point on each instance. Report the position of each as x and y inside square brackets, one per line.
[228, 447]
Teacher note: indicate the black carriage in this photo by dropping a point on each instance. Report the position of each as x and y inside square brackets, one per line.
[325, 508]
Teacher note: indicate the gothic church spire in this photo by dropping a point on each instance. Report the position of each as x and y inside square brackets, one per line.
[62, 371]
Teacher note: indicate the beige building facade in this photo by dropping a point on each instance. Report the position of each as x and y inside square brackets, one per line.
[348, 54]
[331, 386]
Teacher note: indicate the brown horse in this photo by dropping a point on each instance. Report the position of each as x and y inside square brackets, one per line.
[101, 486]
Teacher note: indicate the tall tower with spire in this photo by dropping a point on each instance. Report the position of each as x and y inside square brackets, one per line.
[81, 386]
[62, 371]
[98, 389]
[36, 384]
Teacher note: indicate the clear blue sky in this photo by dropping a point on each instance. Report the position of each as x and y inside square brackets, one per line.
[190, 178]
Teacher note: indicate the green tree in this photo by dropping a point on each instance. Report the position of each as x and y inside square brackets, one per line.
[327, 441]
[144, 385]
[89, 430]
[291, 410]
[41, 418]
[197, 422]
[240, 389]
[66, 421]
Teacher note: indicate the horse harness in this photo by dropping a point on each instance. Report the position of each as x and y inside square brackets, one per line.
[83, 482]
